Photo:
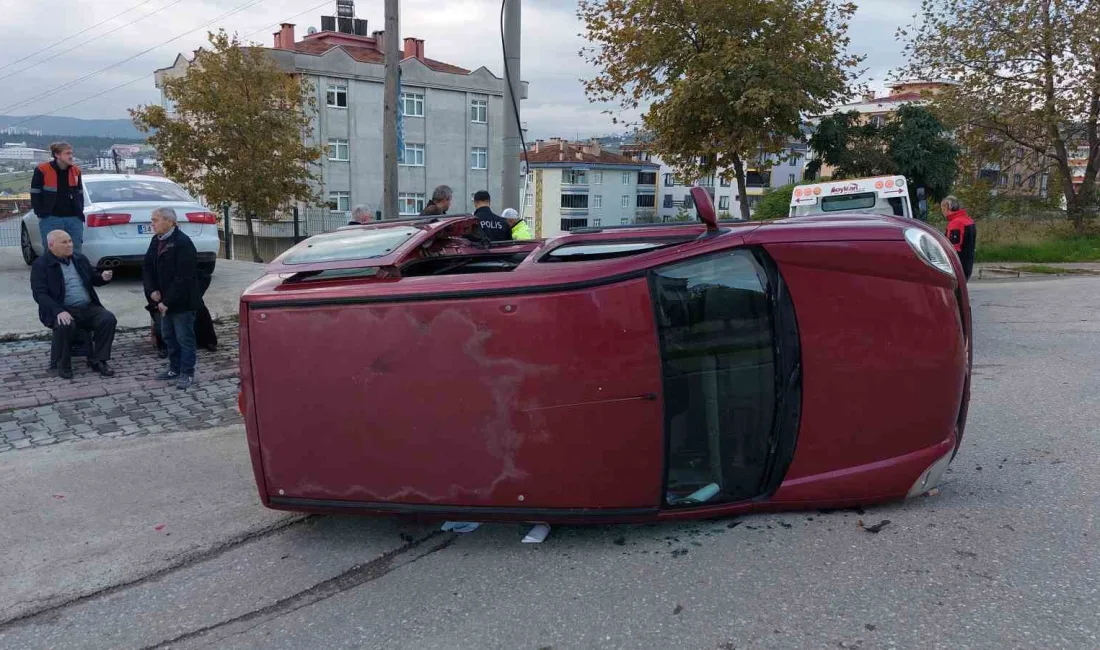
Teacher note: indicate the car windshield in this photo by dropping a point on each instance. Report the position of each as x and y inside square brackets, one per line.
[863, 201]
[135, 189]
[355, 244]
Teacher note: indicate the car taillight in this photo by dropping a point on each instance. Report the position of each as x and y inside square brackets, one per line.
[202, 217]
[100, 220]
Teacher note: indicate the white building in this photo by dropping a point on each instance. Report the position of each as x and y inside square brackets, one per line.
[19, 151]
[674, 193]
[453, 118]
[576, 185]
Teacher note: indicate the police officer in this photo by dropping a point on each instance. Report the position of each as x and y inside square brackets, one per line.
[961, 232]
[494, 225]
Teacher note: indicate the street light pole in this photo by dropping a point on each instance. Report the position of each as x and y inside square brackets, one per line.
[391, 42]
[513, 144]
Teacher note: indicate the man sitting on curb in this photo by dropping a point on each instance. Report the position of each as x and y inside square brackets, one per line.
[63, 284]
[171, 281]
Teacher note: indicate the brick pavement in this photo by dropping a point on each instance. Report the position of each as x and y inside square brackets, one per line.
[38, 408]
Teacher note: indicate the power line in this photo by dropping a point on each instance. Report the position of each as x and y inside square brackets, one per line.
[137, 79]
[327, 2]
[80, 45]
[65, 86]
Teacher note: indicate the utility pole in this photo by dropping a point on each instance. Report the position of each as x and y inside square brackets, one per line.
[391, 43]
[513, 144]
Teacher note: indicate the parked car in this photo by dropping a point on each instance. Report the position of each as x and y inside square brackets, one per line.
[611, 374]
[118, 225]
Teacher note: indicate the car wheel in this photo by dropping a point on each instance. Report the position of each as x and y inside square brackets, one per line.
[25, 243]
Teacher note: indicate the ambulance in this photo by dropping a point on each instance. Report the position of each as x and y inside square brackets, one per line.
[888, 195]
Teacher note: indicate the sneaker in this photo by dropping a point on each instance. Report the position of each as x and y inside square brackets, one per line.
[65, 372]
[168, 375]
[185, 382]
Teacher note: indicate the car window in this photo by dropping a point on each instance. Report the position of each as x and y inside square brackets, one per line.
[355, 244]
[595, 250]
[862, 201]
[134, 189]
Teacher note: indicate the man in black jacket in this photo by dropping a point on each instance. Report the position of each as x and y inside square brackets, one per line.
[494, 225]
[63, 284]
[171, 281]
[57, 195]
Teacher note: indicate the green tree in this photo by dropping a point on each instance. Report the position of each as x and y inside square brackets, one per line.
[239, 132]
[721, 83]
[1028, 75]
[775, 204]
[913, 143]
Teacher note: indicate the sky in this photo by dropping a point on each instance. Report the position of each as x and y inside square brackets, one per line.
[461, 32]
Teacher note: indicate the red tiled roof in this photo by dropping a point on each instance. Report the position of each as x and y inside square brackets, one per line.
[553, 152]
[370, 55]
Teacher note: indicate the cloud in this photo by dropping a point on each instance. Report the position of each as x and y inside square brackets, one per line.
[462, 32]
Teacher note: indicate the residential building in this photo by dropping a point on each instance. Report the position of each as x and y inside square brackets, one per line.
[674, 193]
[576, 185]
[453, 118]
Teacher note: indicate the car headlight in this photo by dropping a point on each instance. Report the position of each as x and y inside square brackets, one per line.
[930, 250]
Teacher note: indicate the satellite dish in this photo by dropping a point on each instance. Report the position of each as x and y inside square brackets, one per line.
[311, 30]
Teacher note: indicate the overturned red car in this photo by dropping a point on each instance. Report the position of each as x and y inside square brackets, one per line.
[613, 375]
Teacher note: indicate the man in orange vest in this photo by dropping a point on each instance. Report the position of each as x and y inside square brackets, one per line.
[57, 195]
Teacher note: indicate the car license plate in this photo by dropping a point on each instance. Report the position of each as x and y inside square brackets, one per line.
[145, 228]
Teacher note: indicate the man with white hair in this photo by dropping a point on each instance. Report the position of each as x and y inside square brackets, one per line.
[171, 283]
[359, 216]
[520, 231]
[63, 284]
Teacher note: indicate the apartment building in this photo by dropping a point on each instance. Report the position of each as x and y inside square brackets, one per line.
[577, 185]
[453, 118]
[674, 192]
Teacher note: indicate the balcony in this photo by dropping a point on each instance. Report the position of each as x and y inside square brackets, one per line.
[645, 215]
[647, 179]
[758, 179]
[569, 224]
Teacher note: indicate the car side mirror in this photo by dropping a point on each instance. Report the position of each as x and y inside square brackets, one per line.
[704, 207]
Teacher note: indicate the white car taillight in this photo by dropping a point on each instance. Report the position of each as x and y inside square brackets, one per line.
[928, 249]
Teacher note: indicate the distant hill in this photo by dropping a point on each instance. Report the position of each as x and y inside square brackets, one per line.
[72, 126]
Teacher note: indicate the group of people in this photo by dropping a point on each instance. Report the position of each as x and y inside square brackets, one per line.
[507, 226]
[63, 280]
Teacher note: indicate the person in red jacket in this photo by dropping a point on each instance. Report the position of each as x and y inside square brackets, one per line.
[961, 232]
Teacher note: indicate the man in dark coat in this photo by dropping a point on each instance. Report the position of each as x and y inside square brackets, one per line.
[495, 226]
[63, 284]
[171, 281]
[440, 203]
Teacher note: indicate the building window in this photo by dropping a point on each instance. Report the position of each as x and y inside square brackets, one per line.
[1031, 182]
[625, 203]
[414, 155]
[668, 201]
[339, 201]
[626, 178]
[337, 96]
[707, 181]
[647, 178]
[790, 179]
[878, 120]
[725, 182]
[338, 149]
[669, 180]
[574, 177]
[569, 224]
[647, 201]
[596, 223]
[689, 203]
[625, 221]
[479, 110]
[574, 201]
[1018, 180]
[795, 158]
[1019, 152]
[723, 203]
[410, 204]
[597, 201]
[1004, 179]
[597, 178]
[412, 104]
[479, 158]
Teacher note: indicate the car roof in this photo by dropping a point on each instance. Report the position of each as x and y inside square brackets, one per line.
[101, 178]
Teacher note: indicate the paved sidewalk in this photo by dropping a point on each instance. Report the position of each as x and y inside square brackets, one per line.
[37, 408]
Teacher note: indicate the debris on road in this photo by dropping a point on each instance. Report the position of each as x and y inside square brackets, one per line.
[537, 534]
[460, 526]
[876, 528]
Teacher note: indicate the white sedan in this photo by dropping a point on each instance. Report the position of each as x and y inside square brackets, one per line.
[118, 225]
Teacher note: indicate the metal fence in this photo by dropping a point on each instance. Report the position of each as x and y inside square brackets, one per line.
[9, 228]
[273, 238]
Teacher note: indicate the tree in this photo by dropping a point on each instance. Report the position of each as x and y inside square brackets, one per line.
[912, 143]
[239, 132]
[1028, 76]
[775, 204]
[721, 84]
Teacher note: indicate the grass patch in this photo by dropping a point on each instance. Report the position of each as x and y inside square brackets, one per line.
[1043, 269]
[1036, 241]
[16, 183]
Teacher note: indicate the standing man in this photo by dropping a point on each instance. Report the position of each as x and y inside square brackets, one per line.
[63, 284]
[440, 203]
[494, 225]
[961, 232]
[520, 231]
[171, 281]
[57, 195]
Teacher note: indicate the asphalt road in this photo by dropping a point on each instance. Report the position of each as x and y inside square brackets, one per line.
[1006, 556]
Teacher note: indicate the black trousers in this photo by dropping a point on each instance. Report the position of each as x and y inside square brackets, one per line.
[94, 319]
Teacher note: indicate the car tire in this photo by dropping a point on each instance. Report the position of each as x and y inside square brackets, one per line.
[29, 256]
